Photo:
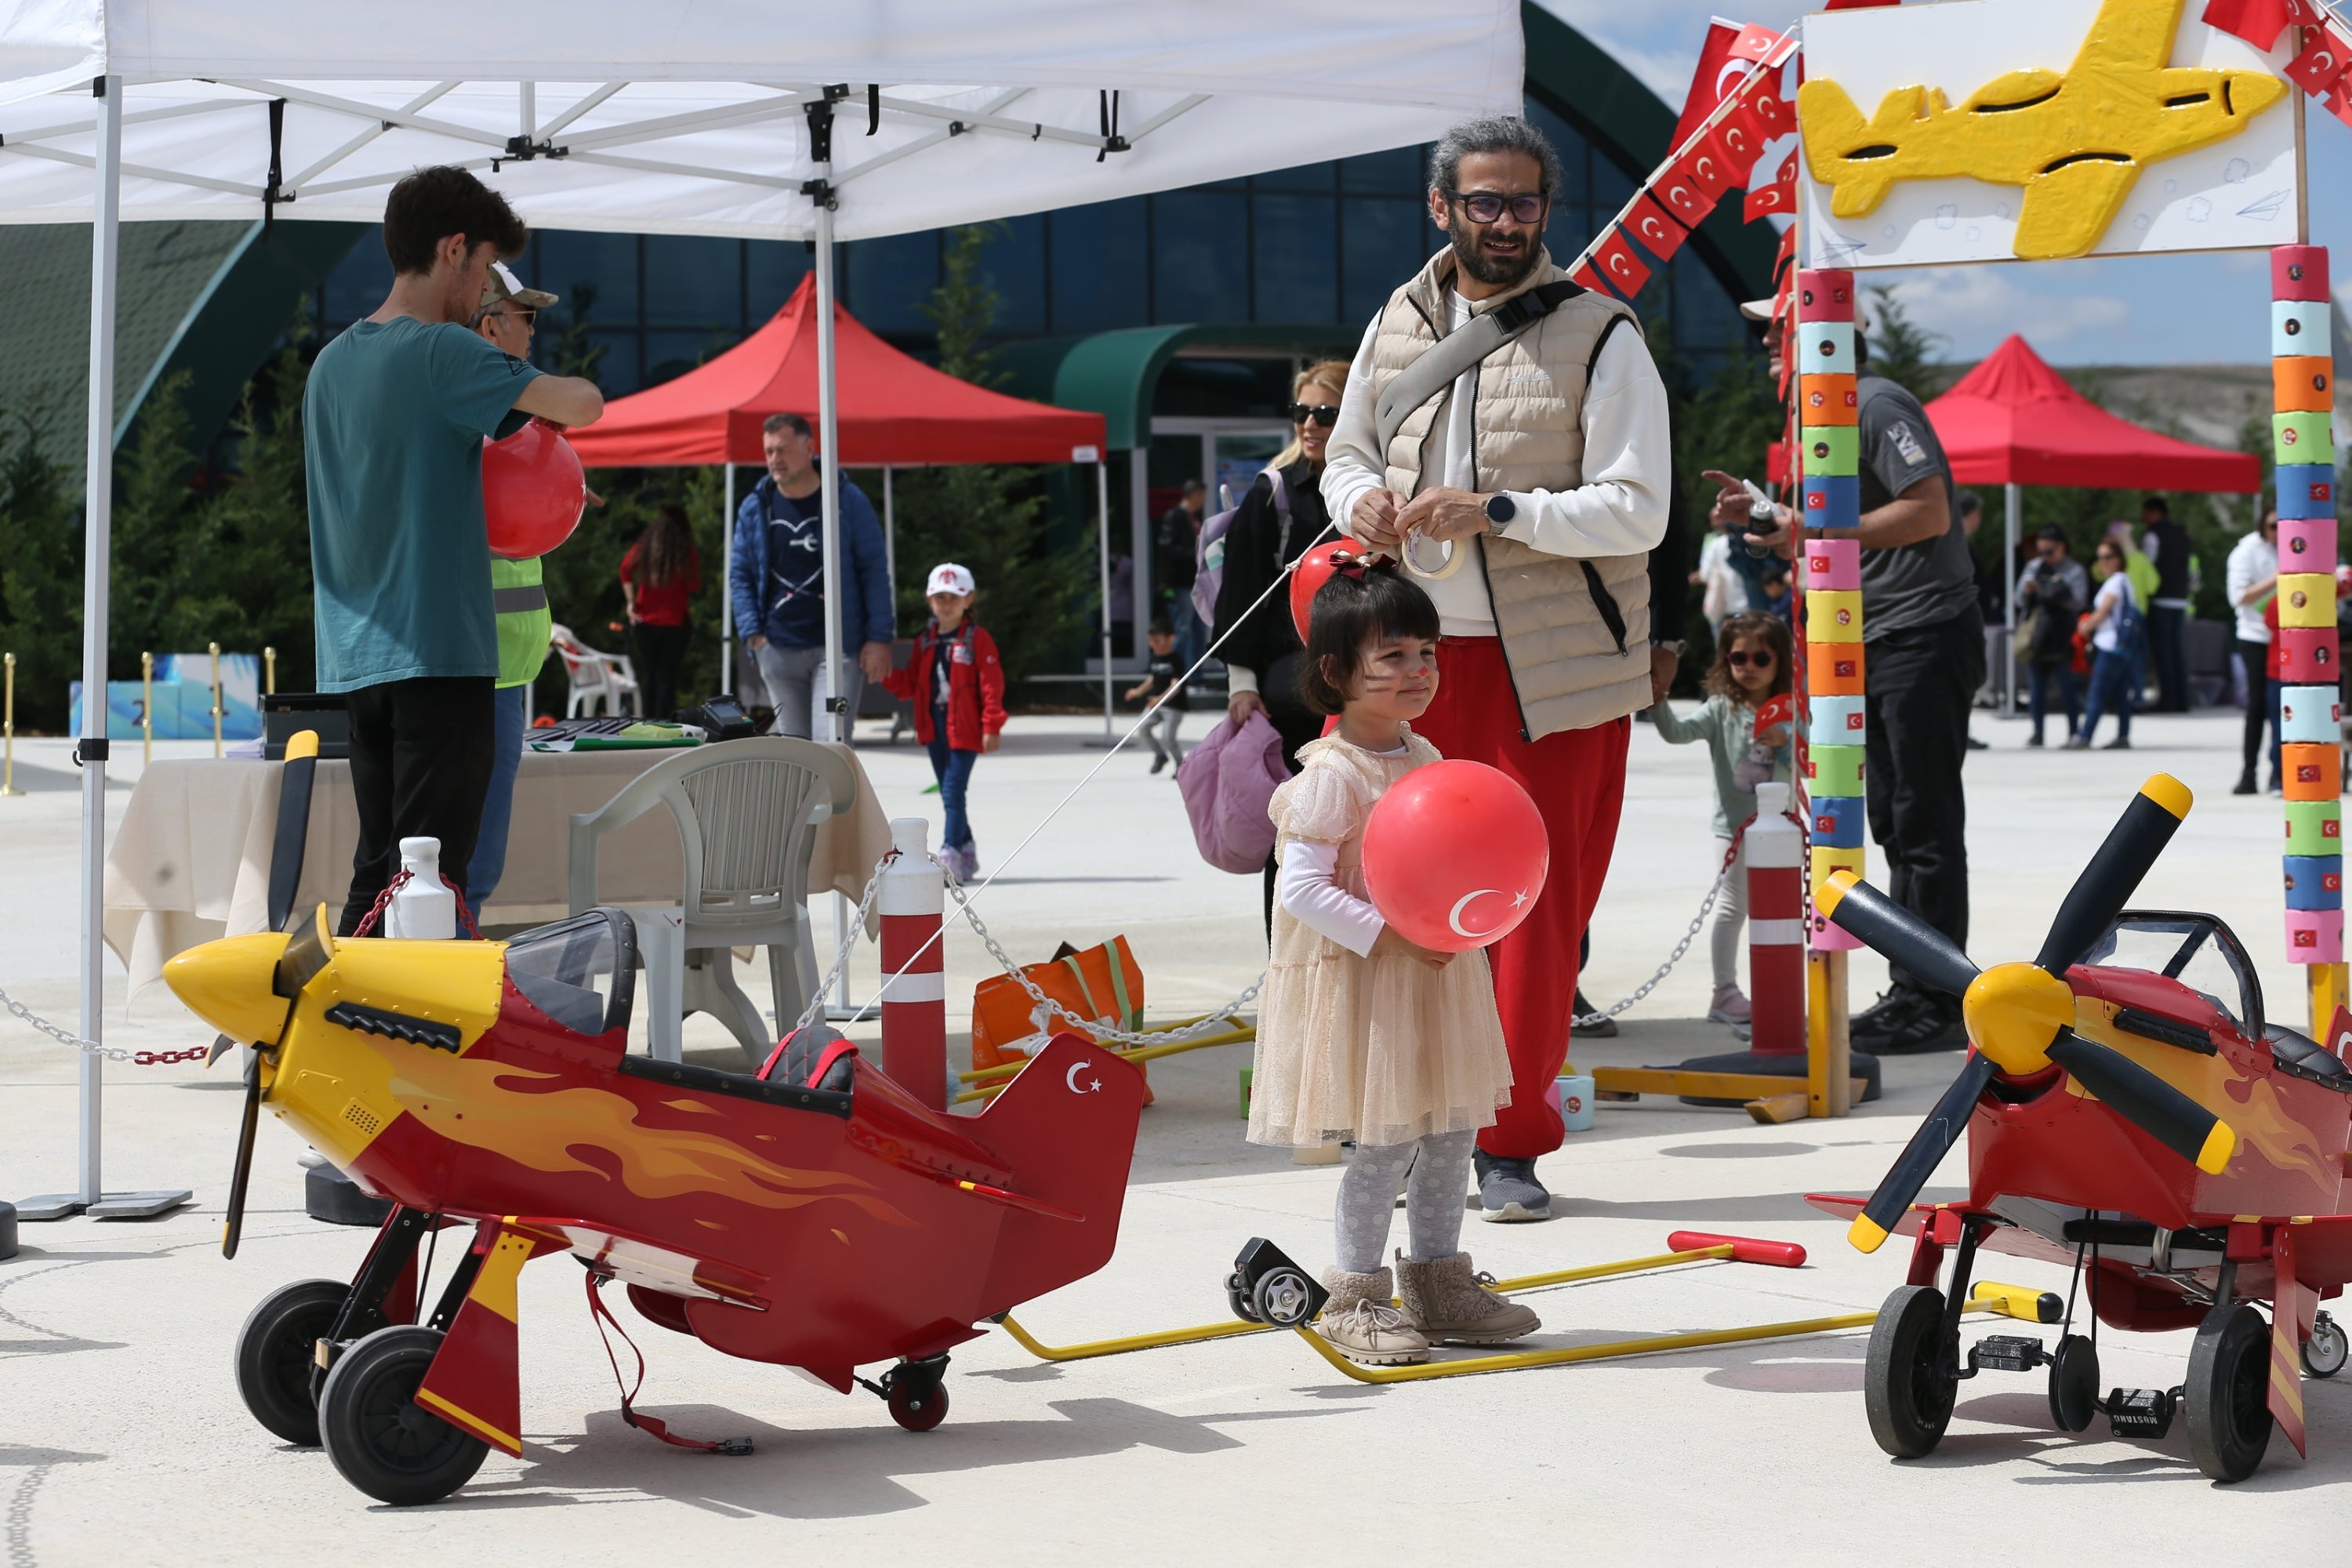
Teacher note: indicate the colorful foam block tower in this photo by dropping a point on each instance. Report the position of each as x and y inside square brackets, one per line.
[2303, 386]
[1828, 459]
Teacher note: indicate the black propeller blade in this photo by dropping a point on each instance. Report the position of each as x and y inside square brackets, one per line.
[2107, 883]
[2146, 1102]
[286, 846]
[233, 1227]
[1934, 1139]
[1894, 933]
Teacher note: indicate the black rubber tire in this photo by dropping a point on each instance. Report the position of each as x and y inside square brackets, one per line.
[2225, 1394]
[381, 1440]
[1237, 1296]
[2074, 1384]
[1908, 1386]
[1282, 1296]
[918, 1405]
[2323, 1354]
[276, 1351]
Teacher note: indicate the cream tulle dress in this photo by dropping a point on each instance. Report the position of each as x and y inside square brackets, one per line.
[1382, 1049]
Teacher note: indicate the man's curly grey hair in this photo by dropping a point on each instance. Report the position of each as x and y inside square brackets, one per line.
[1498, 133]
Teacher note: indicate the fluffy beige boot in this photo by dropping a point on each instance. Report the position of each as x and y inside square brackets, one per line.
[1453, 1306]
[1362, 1326]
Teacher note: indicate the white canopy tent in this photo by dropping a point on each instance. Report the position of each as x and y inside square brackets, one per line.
[719, 117]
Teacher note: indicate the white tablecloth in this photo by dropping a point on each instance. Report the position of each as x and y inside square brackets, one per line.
[191, 861]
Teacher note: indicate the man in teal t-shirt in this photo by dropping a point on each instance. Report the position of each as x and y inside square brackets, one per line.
[393, 421]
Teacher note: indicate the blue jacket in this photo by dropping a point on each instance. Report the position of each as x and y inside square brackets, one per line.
[865, 608]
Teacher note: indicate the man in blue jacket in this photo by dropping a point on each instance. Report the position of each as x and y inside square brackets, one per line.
[777, 580]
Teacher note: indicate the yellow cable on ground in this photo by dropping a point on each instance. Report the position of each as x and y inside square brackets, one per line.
[1560, 1357]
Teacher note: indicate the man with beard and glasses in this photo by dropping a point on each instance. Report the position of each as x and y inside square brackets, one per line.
[1544, 466]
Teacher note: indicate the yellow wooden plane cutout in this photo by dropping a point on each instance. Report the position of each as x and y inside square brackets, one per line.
[2075, 139]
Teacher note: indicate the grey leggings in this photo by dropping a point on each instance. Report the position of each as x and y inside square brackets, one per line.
[1433, 1203]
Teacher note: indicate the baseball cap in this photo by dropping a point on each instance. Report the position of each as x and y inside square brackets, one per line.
[505, 285]
[949, 578]
[1757, 310]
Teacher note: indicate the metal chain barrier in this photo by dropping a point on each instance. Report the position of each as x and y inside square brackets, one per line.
[848, 944]
[66, 1036]
[1587, 1020]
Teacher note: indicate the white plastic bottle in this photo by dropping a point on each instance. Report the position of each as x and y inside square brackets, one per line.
[425, 906]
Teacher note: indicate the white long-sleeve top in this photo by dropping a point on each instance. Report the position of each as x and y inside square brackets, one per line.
[1619, 510]
[2252, 559]
[1309, 889]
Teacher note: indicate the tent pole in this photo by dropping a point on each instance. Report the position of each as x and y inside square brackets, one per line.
[1139, 542]
[890, 537]
[1102, 531]
[2011, 502]
[836, 728]
[727, 590]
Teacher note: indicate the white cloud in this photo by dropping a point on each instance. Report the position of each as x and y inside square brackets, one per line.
[1974, 307]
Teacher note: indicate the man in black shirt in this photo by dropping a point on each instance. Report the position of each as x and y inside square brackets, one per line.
[2166, 544]
[1175, 548]
[1924, 660]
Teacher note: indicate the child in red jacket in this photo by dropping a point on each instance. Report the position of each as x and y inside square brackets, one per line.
[957, 684]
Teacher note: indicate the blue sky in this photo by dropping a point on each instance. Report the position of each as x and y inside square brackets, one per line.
[2124, 310]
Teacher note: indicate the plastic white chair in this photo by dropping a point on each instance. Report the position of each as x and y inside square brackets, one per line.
[746, 813]
[607, 680]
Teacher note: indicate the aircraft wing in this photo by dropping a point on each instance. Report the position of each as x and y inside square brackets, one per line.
[656, 1264]
[2068, 208]
[2015, 1240]
[2128, 35]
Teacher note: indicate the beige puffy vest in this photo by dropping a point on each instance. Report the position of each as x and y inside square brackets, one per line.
[1566, 668]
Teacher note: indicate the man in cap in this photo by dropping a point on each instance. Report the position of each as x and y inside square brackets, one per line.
[1924, 657]
[509, 318]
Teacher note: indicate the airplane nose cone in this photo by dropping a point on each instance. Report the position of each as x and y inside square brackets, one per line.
[227, 984]
[2250, 92]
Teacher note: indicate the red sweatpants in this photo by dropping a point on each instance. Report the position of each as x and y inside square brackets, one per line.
[1577, 779]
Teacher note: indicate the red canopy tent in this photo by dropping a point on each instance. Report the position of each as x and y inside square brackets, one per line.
[2013, 421]
[893, 411]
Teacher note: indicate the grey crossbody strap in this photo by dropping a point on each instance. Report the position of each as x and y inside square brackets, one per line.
[1452, 354]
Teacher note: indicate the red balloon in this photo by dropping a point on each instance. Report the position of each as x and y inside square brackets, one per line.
[1455, 855]
[1314, 570]
[533, 491]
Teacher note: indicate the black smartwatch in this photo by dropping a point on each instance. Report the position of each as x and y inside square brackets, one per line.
[1500, 509]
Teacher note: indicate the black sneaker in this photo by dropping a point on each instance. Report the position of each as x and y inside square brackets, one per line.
[1603, 1030]
[1159, 761]
[2245, 784]
[1508, 1193]
[2120, 743]
[1933, 1025]
[1883, 1017]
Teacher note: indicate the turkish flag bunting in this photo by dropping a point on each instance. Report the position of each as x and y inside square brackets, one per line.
[1730, 53]
[1704, 168]
[2339, 103]
[1737, 139]
[1788, 251]
[1779, 196]
[1684, 198]
[1586, 279]
[1660, 235]
[1617, 263]
[2324, 59]
[2259, 22]
[1769, 101]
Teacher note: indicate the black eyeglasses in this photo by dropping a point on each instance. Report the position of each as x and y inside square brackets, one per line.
[1324, 414]
[1740, 659]
[1486, 206]
[524, 314]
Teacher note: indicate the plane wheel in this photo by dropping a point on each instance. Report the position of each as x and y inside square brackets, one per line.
[1237, 1296]
[276, 1351]
[382, 1441]
[2323, 1354]
[1910, 1381]
[918, 1404]
[2225, 1393]
[1283, 1297]
[2074, 1384]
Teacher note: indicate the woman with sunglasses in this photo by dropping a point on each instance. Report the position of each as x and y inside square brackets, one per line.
[2113, 627]
[1280, 518]
[1752, 659]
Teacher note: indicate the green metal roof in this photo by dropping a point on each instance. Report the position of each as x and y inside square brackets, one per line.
[1116, 373]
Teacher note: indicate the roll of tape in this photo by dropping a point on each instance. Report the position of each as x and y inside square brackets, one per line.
[1415, 548]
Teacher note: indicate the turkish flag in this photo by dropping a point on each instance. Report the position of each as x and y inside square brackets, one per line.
[1788, 251]
[1730, 53]
[1703, 167]
[1768, 100]
[1587, 279]
[1779, 196]
[1648, 222]
[2325, 56]
[1617, 262]
[1684, 198]
[2259, 22]
[1737, 141]
[2339, 102]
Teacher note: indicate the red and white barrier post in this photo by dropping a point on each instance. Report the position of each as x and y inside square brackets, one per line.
[913, 907]
[1776, 926]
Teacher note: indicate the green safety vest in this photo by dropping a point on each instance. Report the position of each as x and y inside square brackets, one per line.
[519, 594]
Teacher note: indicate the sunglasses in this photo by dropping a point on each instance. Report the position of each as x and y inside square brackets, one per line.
[1485, 206]
[1324, 414]
[1740, 659]
[524, 314]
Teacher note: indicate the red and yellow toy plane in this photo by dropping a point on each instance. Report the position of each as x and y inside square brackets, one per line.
[2134, 1115]
[814, 1215]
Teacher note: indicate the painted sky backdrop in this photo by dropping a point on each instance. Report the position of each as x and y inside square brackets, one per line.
[2166, 310]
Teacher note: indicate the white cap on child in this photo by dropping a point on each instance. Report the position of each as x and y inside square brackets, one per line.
[949, 578]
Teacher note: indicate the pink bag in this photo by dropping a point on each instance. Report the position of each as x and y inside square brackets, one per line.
[1228, 780]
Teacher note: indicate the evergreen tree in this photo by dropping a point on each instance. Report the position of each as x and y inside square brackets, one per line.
[1901, 349]
[41, 570]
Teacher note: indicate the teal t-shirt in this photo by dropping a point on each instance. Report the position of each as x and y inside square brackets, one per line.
[392, 425]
